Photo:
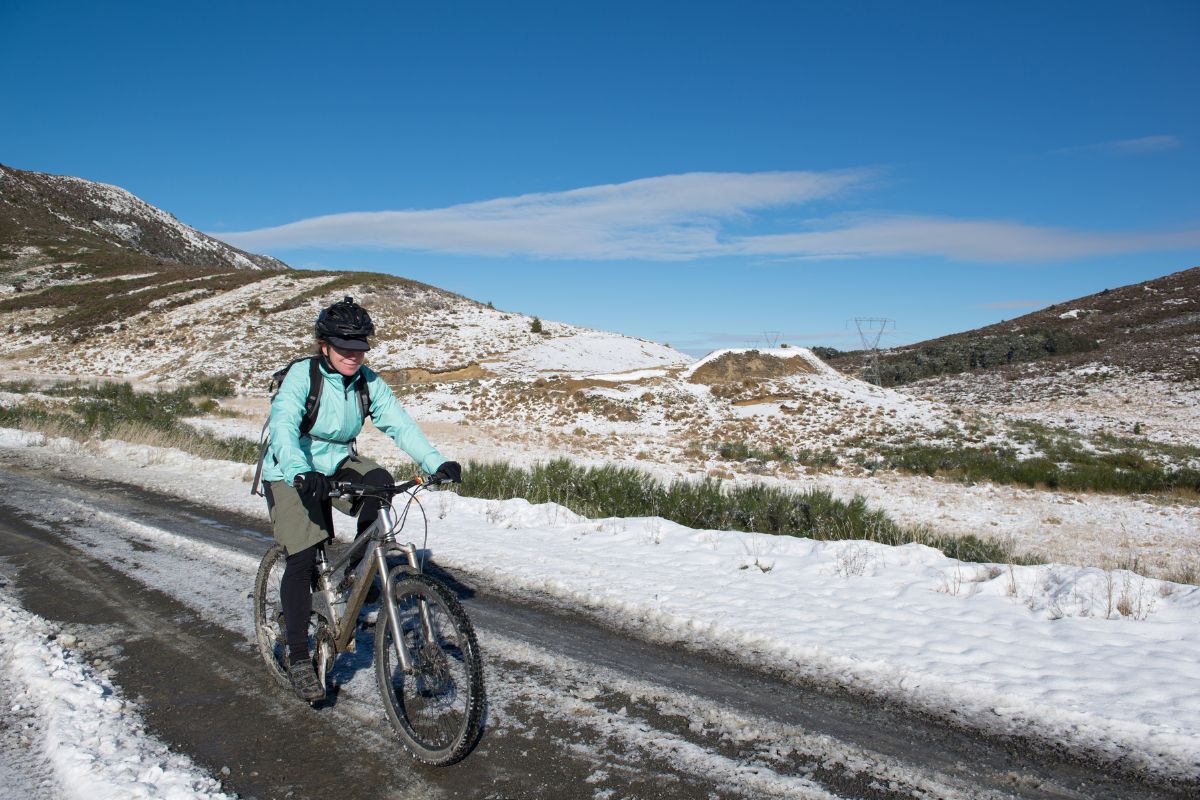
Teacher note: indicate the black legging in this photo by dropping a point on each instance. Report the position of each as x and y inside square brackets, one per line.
[295, 595]
[300, 573]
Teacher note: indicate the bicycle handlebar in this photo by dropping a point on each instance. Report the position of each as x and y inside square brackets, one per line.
[343, 488]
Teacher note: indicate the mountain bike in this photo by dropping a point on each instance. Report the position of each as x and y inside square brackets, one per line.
[427, 661]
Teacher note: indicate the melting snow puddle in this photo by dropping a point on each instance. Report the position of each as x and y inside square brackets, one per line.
[214, 581]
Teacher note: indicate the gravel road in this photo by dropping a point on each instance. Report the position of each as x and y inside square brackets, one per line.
[157, 589]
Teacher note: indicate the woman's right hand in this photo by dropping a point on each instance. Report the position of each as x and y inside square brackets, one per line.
[312, 484]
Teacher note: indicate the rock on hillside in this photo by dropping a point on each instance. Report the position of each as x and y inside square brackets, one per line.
[39, 209]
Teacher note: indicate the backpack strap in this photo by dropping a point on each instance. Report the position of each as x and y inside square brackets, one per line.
[264, 443]
[264, 438]
[364, 395]
[312, 403]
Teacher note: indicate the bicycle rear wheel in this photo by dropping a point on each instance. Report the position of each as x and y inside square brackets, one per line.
[268, 613]
[436, 708]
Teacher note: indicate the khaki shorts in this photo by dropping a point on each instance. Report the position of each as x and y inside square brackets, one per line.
[302, 522]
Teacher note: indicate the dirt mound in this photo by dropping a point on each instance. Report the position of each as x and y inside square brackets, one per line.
[417, 375]
[751, 365]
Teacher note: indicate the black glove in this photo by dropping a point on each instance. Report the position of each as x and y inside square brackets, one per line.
[312, 484]
[449, 471]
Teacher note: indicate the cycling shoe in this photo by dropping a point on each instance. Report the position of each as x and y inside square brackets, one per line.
[303, 678]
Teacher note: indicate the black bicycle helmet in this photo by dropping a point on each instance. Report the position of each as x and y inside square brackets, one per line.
[345, 324]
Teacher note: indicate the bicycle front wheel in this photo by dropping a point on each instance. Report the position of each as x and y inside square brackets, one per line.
[436, 707]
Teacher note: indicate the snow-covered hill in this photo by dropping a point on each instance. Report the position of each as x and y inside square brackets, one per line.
[95, 281]
[37, 208]
[73, 310]
[244, 328]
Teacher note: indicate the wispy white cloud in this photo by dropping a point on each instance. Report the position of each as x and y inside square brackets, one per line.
[1144, 144]
[673, 217]
[693, 216]
[994, 241]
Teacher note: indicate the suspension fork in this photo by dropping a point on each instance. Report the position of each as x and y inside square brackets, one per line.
[410, 552]
[393, 614]
[387, 518]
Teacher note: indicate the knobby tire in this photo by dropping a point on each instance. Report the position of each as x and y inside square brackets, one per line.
[437, 709]
[268, 614]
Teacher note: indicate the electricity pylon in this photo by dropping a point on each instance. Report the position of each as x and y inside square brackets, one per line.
[870, 330]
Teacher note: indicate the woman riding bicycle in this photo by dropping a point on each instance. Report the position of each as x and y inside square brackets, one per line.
[301, 465]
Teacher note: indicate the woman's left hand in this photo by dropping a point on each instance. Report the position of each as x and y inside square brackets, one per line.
[448, 471]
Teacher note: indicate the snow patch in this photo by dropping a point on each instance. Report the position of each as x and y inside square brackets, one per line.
[94, 741]
[11, 437]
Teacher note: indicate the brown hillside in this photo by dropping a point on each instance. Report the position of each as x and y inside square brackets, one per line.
[1151, 327]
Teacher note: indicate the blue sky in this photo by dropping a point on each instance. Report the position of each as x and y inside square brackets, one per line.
[695, 173]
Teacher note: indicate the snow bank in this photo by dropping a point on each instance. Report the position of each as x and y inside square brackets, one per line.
[1104, 660]
[586, 352]
[95, 743]
[11, 437]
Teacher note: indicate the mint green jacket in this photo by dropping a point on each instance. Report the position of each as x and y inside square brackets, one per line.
[338, 421]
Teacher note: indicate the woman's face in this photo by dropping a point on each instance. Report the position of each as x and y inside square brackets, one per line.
[346, 362]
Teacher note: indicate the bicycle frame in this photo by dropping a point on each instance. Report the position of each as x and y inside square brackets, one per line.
[379, 542]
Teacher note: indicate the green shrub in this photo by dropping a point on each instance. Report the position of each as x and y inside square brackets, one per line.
[99, 411]
[612, 491]
[740, 451]
[970, 352]
[817, 458]
[733, 451]
[1063, 461]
